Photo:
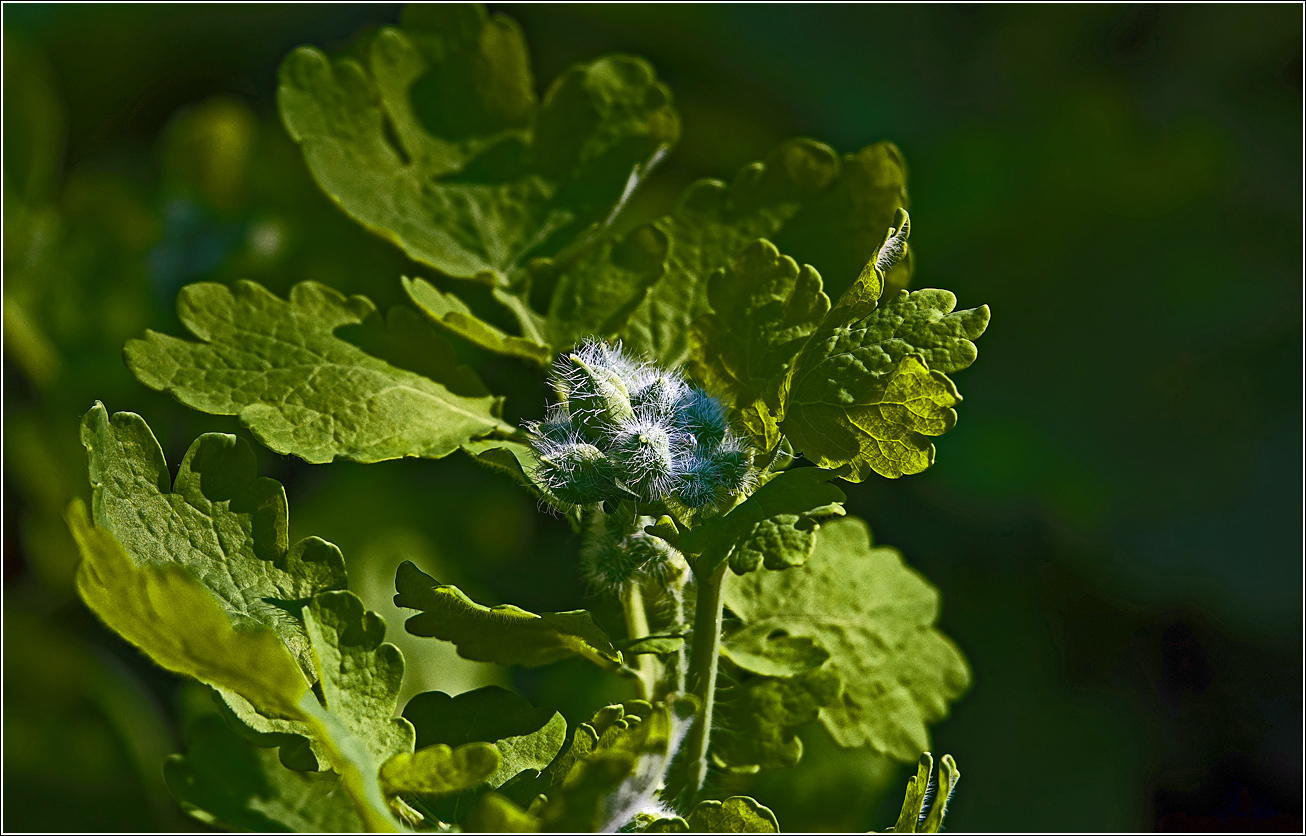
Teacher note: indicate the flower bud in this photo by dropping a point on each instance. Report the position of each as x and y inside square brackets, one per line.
[576, 472]
[644, 453]
[658, 393]
[597, 398]
[703, 417]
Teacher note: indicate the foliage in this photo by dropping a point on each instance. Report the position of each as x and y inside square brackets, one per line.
[431, 135]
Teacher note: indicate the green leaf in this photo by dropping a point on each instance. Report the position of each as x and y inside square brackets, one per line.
[842, 228]
[225, 782]
[710, 226]
[435, 140]
[615, 766]
[179, 624]
[504, 634]
[361, 673]
[299, 747]
[913, 800]
[821, 209]
[207, 586]
[763, 310]
[875, 617]
[760, 719]
[774, 654]
[775, 527]
[299, 387]
[452, 314]
[511, 457]
[657, 645]
[496, 814]
[596, 289]
[884, 428]
[218, 519]
[737, 814]
[949, 775]
[528, 738]
[869, 387]
[440, 769]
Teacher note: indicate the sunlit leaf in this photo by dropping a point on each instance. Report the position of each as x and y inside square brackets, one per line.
[527, 737]
[615, 766]
[774, 654]
[869, 388]
[737, 814]
[301, 389]
[178, 623]
[452, 314]
[439, 769]
[218, 519]
[875, 617]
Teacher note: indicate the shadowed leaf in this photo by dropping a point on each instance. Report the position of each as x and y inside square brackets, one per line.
[505, 634]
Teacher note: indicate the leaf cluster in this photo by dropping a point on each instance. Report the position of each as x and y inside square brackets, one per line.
[432, 136]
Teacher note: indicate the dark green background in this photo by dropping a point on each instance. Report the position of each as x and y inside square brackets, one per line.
[1115, 523]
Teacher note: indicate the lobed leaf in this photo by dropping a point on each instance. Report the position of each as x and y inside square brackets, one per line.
[801, 191]
[885, 430]
[527, 738]
[179, 624]
[440, 769]
[615, 766]
[434, 138]
[774, 654]
[875, 617]
[763, 310]
[775, 526]
[761, 716]
[207, 586]
[868, 388]
[737, 814]
[301, 389]
[218, 519]
[361, 673]
[451, 313]
[504, 634]
[226, 782]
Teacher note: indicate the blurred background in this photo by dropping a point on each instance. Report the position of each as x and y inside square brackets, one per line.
[1115, 524]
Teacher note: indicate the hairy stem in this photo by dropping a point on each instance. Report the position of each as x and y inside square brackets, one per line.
[705, 654]
[632, 603]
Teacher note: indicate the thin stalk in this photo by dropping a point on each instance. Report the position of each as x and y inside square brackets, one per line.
[632, 603]
[705, 654]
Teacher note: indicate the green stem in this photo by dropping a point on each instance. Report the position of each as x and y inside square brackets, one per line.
[706, 653]
[632, 602]
[525, 316]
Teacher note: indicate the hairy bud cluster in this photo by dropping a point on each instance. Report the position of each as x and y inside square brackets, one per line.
[624, 428]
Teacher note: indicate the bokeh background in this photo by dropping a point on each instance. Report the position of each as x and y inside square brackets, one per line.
[1115, 524]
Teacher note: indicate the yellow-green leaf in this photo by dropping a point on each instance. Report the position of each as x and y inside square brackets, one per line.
[875, 617]
[177, 622]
